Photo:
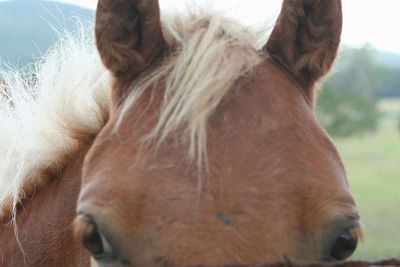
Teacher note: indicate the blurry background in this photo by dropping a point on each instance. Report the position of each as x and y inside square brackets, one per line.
[359, 104]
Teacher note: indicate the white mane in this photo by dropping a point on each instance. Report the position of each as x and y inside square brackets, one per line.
[46, 119]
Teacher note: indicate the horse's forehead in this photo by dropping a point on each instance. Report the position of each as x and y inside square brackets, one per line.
[265, 103]
[267, 92]
[265, 119]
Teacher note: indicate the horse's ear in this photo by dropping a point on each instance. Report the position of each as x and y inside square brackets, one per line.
[128, 37]
[306, 38]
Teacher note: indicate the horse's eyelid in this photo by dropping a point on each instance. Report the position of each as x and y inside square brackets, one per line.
[358, 231]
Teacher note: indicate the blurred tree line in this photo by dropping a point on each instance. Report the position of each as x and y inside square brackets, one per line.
[348, 101]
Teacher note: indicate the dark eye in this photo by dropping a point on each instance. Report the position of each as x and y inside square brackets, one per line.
[93, 240]
[344, 245]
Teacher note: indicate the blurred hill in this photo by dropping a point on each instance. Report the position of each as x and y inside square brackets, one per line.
[29, 27]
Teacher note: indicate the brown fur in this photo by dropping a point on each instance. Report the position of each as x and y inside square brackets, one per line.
[42, 178]
[44, 223]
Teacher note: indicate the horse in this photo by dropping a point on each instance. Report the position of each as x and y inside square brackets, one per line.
[180, 141]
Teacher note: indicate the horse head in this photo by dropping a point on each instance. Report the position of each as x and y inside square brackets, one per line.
[212, 153]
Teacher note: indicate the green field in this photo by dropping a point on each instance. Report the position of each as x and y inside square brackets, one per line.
[373, 169]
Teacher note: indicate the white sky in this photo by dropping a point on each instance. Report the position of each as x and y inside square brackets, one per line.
[374, 21]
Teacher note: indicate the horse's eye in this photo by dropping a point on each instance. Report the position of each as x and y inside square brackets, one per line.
[344, 246]
[93, 240]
